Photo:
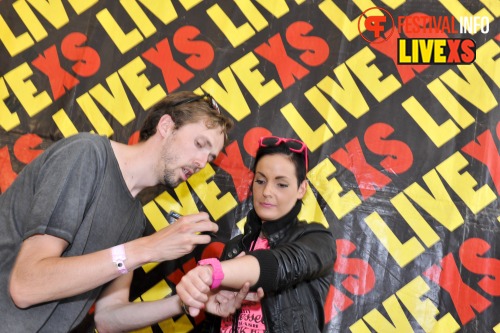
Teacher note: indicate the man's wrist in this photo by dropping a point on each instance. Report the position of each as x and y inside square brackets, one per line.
[118, 257]
[183, 306]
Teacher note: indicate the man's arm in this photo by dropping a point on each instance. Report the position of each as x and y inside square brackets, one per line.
[40, 274]
[114, 312]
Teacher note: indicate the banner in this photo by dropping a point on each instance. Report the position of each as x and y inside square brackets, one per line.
[397, 101]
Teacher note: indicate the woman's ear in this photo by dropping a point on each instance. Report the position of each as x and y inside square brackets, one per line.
[302, 189]
[164, 125]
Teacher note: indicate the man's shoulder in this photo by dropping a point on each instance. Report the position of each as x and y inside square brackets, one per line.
[82, 141]
[82, 137]
[81, 146]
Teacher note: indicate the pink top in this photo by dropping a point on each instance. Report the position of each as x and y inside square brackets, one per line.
[250, 319]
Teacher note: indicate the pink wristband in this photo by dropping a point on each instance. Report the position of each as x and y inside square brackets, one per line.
[118, 255]
[217, 273]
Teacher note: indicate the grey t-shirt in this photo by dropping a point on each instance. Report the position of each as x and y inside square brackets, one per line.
[74, 191]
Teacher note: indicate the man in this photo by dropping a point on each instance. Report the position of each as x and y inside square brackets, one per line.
[71, 221]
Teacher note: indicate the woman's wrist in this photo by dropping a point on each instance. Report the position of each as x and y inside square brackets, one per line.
[217, 272]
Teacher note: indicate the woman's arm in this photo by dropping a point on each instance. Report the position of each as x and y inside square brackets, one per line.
[194, 287]
[309, 257]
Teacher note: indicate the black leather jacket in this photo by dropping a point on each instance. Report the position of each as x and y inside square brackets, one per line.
[295, 274]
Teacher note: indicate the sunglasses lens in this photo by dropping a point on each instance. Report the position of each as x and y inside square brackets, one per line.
[270, 141]
[214, 104]
[207, 98]
[295, 145]
[211, 101]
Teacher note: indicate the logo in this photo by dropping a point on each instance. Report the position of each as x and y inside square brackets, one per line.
[373, 22]
[473, 24]
[436, 51]
[431, 40]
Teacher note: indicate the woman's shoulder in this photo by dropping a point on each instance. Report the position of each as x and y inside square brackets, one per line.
[313, 225]
[306, 227]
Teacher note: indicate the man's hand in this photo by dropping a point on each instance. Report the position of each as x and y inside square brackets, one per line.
[225, 302]
[179, 238]
[194, 287]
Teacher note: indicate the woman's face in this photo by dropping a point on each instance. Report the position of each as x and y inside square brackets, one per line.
[275, 189]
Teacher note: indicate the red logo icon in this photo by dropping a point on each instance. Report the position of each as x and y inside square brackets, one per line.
[375, 25]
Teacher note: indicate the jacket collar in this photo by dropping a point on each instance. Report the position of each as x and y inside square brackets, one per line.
[254, 223]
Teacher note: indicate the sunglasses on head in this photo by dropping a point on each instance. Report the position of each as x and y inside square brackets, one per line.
[206, 97]
[294, 145]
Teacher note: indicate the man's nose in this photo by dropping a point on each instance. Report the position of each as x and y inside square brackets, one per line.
[202, 160]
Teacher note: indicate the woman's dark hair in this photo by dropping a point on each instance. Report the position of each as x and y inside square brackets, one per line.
[298, 159]
[181, 113]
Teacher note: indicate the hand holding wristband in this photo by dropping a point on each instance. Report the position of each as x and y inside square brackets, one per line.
[118, 257]
[217, 273]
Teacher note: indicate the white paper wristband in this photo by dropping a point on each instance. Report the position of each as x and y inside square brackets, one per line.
[118, 256]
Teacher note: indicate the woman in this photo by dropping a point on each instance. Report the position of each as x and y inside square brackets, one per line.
[290, 260]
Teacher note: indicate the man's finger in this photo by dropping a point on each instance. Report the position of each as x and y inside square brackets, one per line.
[260, 293]
[255, 296]
[206, 226]
[195, 218]
[242, 294]
[193, 312]
[191, 302]
[223, 296]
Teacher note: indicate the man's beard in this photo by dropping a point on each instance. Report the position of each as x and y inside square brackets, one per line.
[169, 175]
[170, 179]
